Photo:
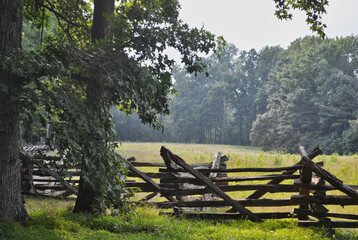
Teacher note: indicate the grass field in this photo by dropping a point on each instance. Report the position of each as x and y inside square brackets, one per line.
[52, 219]
[57, 222]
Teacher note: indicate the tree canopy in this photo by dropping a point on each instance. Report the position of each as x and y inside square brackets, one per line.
[74, 80]
[93, 56]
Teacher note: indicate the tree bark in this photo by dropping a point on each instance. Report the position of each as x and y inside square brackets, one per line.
[86, 198]
[11, 204]
[102, 25]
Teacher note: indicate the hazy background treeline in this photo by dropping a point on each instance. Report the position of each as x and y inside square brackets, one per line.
[274, 98]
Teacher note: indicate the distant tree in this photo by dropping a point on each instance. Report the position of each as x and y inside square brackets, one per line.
[246, 89]
[193, 109]
[221, 107]
[350, 137]
[338, 108]
[311, 96]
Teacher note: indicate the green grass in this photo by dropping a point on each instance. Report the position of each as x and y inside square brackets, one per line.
[52, 219]
[146, 223]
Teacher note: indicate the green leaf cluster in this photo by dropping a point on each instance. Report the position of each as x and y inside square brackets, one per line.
[313, 9]
[70, 82]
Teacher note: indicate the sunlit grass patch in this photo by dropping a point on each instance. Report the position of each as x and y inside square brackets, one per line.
[146, 223]
[34, 204]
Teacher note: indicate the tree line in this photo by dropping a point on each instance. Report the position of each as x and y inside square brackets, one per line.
[273, 98]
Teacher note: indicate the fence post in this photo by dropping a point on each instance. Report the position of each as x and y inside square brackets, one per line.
[205, 181]
[306, 178]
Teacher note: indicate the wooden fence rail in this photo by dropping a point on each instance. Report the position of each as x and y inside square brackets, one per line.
[193, 189]
[313, 196]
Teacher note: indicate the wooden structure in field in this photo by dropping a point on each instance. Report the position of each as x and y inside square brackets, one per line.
[193, 190]
[41, 180]
[307, 190]
[313, 205]
[210, 180]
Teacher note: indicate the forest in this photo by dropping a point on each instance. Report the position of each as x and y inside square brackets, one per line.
[273, 98]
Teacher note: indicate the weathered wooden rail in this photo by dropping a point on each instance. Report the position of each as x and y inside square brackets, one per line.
[313, 196]
[183, 180]
[309, 186]
[192, 190]
[39, 180]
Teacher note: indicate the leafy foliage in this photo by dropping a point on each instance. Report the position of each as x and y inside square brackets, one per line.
[314, 11]
[72, 82]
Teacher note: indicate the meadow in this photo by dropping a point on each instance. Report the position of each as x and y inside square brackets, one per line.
[52, 219]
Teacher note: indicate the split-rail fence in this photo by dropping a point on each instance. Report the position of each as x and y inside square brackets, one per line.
[195, 190]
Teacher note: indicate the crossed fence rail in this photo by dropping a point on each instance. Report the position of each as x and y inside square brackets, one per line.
[193, 190]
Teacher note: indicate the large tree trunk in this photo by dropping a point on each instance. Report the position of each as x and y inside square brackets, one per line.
[86, 198]
[11, 204]
[102, 26]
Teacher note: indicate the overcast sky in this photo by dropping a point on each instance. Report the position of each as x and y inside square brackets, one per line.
[252, 23]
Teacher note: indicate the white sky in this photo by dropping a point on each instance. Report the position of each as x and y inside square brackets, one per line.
[252, 23]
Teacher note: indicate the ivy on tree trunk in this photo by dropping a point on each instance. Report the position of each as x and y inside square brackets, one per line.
[87, 200]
